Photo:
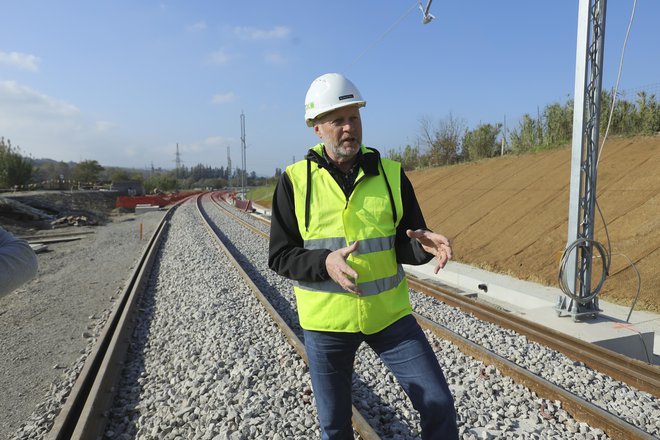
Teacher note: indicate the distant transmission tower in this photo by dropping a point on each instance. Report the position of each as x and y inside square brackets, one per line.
[228, 166]
[243, 154]
[177, 161]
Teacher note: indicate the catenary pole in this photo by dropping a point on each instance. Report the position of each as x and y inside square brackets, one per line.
[580, 299]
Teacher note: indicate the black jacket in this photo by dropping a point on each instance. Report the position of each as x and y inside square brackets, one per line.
[289, 258]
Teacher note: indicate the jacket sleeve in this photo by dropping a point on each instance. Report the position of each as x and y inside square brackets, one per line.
[408, 250]
[18, 262]
[286, 254]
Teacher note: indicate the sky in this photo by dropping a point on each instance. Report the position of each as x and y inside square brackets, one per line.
[123, 82]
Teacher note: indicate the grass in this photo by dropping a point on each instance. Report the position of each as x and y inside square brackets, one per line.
[261, 193]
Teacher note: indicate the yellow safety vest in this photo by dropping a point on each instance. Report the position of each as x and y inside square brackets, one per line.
[333, 223]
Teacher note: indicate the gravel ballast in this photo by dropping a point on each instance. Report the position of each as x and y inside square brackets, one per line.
[207, 362]
[477, 414]
[48, 326]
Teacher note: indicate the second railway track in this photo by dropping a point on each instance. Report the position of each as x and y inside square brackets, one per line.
[577, 388]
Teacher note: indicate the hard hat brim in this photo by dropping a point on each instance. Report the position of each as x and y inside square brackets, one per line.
[359, 104]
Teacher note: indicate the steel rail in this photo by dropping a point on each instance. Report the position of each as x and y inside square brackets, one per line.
[220, 206]
[360, 424]
[643, 376]
[82, 415]
[580, 409]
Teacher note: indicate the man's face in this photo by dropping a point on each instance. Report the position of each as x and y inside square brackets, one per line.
[341, 132]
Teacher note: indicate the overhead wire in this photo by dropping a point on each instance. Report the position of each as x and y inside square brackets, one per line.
[602, 145]
[618, 78]
[390, 29]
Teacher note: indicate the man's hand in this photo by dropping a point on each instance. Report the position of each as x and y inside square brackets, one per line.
[340, 271]
[435, 244]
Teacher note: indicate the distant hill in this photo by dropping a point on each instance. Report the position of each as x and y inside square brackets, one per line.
[509, 214]
[43, 161]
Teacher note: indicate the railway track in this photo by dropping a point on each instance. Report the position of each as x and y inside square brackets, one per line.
[82, 414]
[85, 413]
[640, 375]
[360, 424]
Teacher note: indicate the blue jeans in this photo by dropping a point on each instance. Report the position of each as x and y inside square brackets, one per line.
[404, 349]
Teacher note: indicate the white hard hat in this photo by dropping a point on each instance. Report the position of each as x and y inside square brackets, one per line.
[329, 92]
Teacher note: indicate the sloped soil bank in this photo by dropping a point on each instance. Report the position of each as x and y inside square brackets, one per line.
[510, 214]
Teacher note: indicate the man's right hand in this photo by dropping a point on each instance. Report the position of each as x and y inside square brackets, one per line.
[340, 271]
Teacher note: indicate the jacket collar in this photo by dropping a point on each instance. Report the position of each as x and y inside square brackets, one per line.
[368, 159]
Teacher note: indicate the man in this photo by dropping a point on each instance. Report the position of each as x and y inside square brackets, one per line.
[18, 262]
[343, 221]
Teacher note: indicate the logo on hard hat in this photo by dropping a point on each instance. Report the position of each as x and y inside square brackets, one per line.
[341, 98]
[309, 105]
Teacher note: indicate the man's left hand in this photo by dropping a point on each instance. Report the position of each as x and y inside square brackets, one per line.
[433, 243]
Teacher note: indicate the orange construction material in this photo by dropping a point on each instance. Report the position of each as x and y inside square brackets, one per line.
[159, 200]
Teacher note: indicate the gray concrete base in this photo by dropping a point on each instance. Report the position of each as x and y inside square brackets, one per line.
[636, 338]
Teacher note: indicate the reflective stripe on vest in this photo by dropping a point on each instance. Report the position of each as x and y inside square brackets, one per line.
[366, 245]
[368, 289]
[334, 223]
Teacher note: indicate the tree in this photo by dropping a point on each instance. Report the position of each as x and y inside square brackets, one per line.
[410, 159]
[524, 139]
[558, 123]
[87, 171]
[160, 182]
[481, 142]
[649, 113]
[53, 171]
[120, 176]
[443, 140]
[15, 170]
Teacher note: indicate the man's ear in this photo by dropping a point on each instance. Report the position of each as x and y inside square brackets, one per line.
[317, 130]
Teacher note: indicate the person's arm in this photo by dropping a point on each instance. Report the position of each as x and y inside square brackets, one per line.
[286, 254]
[415, 243]
[18, 262]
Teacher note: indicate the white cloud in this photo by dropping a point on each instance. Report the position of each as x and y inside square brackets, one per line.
[217, 140]
[197, 27]
[105, 126]
[250, 33]
[218, 57]
[22, 100]
[199, 151]
[275, 58]
[221, 99]
[20, 60]
[44, 126]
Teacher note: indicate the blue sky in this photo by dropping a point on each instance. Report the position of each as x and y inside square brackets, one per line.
[123, 82]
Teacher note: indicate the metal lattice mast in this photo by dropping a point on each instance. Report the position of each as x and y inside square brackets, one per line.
[586, 124]
[243, 153]
[228, 166]
[177, 161]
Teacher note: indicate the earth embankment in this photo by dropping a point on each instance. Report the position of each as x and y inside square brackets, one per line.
[510, 214]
